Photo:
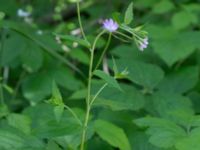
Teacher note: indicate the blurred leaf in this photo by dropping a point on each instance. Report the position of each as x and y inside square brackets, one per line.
[112, 134]
[74, 39]
[36, 87]
[184, 19]
[20, 122]
[129, 14]
[4, 111]
[80, 94]
[52, 146]
[12, 48]
[177, 46]
[80, 55]
[180, 81]
[191, 141]
[2, 15]
[58, 111]
[45, 124]
[31, 57]
[163, 6]
[56, 98]
[10, 140]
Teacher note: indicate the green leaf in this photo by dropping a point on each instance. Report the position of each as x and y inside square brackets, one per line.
[163, 133]
[20, 122]
[36, 87]
[110, 80]
[10, 140]
[80, 94]
[173, 82]
[184, 19]
[163, 6]
[31, 57]
[12, 48]
[4, 111]
[172, 46]
[144, 74]
[74, 39]
[129, 14]
[58, 111]
[80, 55]
[45, 124]
[52, 146]
[112, 134]
[173, 107]
[117, 101]
[192, 141]
[45, 41]
[140, 141]
[56, 95]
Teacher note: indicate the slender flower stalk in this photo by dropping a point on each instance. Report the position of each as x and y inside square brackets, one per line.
[104, 51]
[79, 20]
[88, 98]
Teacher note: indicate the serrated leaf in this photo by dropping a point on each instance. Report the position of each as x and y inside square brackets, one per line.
[163, 133]
[109, 79]
[144, 74]
[112, 134]
[118, 101]
[129, 14]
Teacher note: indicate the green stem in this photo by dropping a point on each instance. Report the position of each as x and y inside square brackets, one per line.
[104, 51]
[97, 94]
[79, 20]
[88, 106]
[124, 35]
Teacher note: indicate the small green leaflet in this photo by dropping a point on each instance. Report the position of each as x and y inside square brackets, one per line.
[58, 101]
[129, 14]
[109, 79]
[56, 96]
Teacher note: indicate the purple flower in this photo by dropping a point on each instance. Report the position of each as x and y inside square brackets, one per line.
[143, 43]
[110, 25]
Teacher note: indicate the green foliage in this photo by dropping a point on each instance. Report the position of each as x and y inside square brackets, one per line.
[149, 99]
[115, 137]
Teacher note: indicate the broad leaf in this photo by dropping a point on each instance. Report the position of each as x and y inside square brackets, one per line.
[112, 134]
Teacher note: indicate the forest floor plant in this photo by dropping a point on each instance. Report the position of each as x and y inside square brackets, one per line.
[114, 28]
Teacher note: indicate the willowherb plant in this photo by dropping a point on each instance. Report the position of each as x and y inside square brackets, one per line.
[119, 30]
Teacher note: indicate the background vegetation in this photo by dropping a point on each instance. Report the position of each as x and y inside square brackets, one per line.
[158, 107]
